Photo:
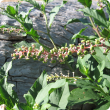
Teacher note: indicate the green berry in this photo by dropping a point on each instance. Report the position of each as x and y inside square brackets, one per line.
[14, 55]
[85, 52]
[91, 47]
[28, 54]
[66, 57]
[93, 53]
[51, 51]
[69, 53]
[19, 49]
[82, 46]
[79, 52]
[30, 48]
[60, 55]
[97, 41]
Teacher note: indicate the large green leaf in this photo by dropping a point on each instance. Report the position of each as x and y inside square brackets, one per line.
[60, 97]
[86, 3]
[49, 89]
[4, 69]
[6, 91]
[11, 10]
[82, 20]
[83, 66]
[96, 15]
[80, 96]
[54, 11]
[99, 56]
[39, 84]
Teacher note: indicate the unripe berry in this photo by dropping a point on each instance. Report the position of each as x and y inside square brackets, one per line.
[91, 47]
[14, 55]
[30, 48]
[71, 45]
[22, 56]
[97, 41]
[66, 57]
[93, 52]
[87, 42]
[85, 52]
[28, 54]
[69, 53]
[19, 49]
[60, 55]
[39, 53]
[35, 58]
[82, 46]
[51, 51]
[79, 52]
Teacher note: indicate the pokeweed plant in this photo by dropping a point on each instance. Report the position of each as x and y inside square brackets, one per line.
[93, 59]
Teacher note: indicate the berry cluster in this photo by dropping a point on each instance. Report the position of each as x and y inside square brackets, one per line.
[10, 30]
[60, 54]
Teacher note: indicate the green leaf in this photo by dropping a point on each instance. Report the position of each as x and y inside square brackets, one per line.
[99, 56]
[4, 69]
[83, 67]
[17, 8]
[96, 15]
[34, 34]
[78, 35]
[39, 84]
[25, 20]
[82, 20]
[7, 92]
[81, 96]
[54, 11]
[11, 10]
[49, 89]
[34, 3]
[45, 106]
[26, 44]
[104, 106]
[60, 97]
[87, 3]
[15, 107]
[105, 33]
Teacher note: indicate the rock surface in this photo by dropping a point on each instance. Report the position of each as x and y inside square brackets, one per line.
[24, 73]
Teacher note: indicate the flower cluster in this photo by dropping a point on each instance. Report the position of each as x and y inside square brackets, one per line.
[52, 77]
[10, 30]
[60, 54]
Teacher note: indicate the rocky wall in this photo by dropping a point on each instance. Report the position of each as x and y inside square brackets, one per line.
[24, 73]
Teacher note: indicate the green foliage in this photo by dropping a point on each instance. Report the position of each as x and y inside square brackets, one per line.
[87, 3]
[54, 11]
[93, 88]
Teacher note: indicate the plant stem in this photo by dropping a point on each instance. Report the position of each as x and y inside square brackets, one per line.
[48, 30]
[95, 28]
[71, 69]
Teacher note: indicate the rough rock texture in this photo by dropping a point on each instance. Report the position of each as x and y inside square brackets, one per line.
[24, 73]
